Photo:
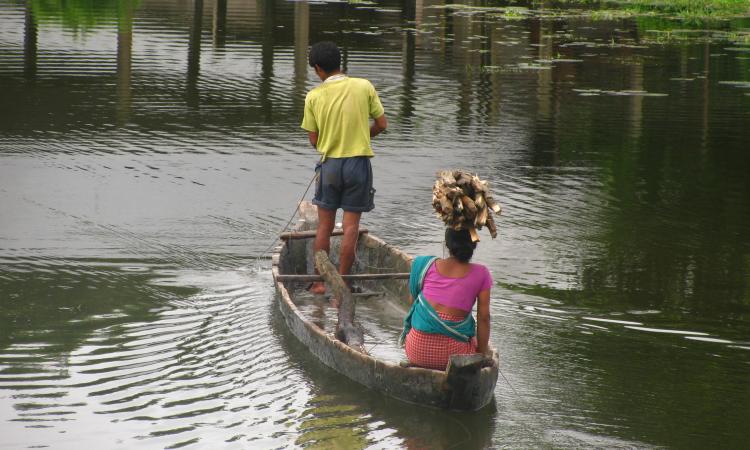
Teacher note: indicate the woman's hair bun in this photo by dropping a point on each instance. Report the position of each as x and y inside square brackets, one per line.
[459, 243]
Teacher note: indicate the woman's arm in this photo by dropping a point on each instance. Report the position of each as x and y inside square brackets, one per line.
[483, 321]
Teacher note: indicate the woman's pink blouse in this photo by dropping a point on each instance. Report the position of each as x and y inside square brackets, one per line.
[458, 293]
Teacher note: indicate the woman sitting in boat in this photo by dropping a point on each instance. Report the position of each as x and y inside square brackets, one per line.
[444, 291]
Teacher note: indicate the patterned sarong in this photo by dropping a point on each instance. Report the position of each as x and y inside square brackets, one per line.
[433, 350]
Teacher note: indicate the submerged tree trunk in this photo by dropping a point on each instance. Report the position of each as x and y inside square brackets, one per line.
[346, 330]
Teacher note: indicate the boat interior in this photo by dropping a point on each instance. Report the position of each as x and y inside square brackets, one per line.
[380, 304]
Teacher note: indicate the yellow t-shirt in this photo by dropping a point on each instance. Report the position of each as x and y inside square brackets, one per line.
[340, 110]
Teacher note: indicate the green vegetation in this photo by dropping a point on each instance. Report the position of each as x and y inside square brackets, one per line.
[685, 10]
[513, 13]
[82, 15]
[688, 9]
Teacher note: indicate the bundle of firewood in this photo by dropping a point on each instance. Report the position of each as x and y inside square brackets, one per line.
[463, 202]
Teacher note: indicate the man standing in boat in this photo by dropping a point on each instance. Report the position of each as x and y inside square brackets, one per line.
[337, 119]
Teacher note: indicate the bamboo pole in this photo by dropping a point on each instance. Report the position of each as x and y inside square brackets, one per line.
[354, 277]
[311, 234]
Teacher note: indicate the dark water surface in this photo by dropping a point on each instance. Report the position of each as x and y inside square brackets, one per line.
[150, 151]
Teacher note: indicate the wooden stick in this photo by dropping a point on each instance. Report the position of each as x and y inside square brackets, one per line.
[346, 330]
[311, 234]
[491, 226]
[354, 277]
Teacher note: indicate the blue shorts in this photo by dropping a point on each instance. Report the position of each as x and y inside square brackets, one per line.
[345, 183]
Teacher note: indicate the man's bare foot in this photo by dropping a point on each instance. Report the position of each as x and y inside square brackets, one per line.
[318, 288]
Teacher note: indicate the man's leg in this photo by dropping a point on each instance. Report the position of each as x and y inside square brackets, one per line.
[326, 222]
[349, 241]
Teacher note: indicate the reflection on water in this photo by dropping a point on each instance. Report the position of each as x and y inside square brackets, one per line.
[151, 150]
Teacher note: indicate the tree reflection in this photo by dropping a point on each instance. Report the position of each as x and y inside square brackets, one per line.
[80, 15]
[301, 44]
[124, 58]
[194, 55]
[674, 234]
[678, 239]
[60, 307]
[408, 98]
[220, 23]
[267, 59]
[30, 44]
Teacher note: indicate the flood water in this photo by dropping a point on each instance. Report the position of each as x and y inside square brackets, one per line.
[150, 151]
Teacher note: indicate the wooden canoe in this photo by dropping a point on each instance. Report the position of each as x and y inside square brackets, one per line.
[467, 384]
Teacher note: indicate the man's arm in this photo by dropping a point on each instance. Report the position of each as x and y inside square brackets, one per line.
[313, 136]
[380, 124]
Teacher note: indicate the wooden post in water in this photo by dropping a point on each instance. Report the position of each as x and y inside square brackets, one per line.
[346, 330]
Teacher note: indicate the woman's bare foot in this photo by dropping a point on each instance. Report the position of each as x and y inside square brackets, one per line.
[318, 288]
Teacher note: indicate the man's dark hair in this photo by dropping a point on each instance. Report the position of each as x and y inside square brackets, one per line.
[326, 55]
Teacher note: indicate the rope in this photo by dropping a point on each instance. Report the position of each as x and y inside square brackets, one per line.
[294, 213]
[506, 380]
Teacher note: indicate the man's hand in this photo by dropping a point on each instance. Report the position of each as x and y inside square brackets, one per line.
[380, 124]
[313, 136]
